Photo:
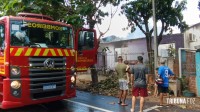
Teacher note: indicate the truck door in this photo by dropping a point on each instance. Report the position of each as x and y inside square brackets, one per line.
[86, 47]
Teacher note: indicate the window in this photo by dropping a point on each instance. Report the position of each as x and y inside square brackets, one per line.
[2, 36]
[86, 40]
[116, 56]
[40, 35]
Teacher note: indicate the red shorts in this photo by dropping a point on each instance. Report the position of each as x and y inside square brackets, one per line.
[139, 92]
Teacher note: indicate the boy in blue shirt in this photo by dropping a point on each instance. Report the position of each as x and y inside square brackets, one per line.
[164, 72]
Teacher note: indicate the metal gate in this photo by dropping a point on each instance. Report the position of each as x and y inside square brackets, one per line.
[197, 56]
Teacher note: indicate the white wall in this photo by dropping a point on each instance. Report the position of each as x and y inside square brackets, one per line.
[110, 59]
[195, 31]
[129, 50]
[163, 49]
[137, 48]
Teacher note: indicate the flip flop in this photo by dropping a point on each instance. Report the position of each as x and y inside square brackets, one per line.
[124, 104]
[119, 102]
[132, 110]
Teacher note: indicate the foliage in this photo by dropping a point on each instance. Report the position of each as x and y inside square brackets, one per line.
[171, 51]
[108, 86]
[184, 83]
[168, 12]
[75, 12]
[53, 8]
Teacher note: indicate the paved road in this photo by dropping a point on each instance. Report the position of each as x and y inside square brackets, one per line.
[87, 102]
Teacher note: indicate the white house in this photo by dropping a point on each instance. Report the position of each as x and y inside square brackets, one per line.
[131, 48]
[192, 37]
[128, 49]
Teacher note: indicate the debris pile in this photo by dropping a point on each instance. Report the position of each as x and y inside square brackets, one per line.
[108, 87]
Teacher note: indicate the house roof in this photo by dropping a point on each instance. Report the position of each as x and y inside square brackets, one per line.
[178, 39]
[124, 40]
[197, 24]
[172, 38]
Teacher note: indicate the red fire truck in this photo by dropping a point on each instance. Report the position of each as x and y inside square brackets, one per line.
[37, 57]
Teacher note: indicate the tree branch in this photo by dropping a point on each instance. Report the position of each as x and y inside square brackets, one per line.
[111, 17]
[151, 31]
[140, 27]
[162, 28]
[146, 25]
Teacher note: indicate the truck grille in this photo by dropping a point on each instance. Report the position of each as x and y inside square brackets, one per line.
[46, 83]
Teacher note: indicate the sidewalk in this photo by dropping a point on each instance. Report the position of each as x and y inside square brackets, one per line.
[84, 80]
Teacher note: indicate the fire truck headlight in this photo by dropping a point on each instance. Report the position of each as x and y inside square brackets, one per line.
[73, 79]
[15, 84]
[15, 71]
[30, 65]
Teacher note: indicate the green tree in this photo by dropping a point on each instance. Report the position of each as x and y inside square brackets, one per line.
[53, 8]
[168, 12]
[75, 12]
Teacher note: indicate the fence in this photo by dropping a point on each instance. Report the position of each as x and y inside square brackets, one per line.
[188, 66]
[108, 60]
[188, 69]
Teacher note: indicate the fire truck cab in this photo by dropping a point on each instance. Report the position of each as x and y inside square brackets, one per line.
[37, 57]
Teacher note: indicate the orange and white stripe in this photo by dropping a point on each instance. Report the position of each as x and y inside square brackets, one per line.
[41, 52]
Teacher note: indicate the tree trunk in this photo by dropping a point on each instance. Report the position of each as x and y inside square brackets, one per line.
[150, 53]
[94, 75]
[149, 46]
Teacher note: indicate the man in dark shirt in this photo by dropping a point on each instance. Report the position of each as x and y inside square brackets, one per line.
[139, 72]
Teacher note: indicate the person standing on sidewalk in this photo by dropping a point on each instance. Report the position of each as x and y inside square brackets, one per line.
[140, 83]
[123, 81]
[164, 72]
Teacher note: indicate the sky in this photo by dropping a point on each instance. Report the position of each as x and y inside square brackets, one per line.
[191, 16]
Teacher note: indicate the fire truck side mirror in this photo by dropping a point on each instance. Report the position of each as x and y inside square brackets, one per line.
[24, 26]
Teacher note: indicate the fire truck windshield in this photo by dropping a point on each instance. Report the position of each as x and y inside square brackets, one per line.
[34, 34]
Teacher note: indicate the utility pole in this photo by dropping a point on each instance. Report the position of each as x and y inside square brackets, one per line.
[155, 35]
